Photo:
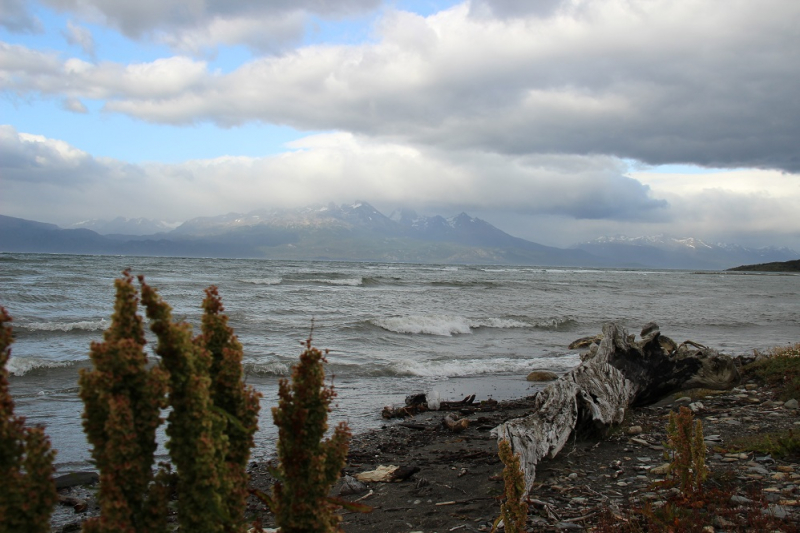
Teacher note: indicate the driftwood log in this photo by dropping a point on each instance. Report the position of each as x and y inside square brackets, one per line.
[418, 403]
[616, 372]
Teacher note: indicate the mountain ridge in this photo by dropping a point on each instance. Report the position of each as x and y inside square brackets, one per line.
[359, 232]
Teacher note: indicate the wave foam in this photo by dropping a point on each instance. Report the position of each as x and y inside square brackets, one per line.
[349, 282]
[19, 366]
[499, 323]
[83, 325]
[471, 367]
[267, 369]
[261, 281]
[445, 325]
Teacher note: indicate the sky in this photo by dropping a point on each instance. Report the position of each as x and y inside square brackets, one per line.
[558, 121]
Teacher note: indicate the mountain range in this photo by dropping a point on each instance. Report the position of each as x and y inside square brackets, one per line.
[359, 232]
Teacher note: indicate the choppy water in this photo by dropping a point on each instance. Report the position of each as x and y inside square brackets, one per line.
[391, 328]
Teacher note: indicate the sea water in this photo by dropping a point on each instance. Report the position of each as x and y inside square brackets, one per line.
[392, 329]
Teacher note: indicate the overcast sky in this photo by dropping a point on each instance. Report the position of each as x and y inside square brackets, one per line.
[557, 120]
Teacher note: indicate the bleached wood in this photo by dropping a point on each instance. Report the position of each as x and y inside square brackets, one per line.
[615, 374]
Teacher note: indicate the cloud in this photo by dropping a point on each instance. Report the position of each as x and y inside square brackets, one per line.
[750, 206]
[15, 18]
[514, 8]
[336, 167]
[555, 199]
[74, 105]
[193, 27]
[80, 36]
[659, 81]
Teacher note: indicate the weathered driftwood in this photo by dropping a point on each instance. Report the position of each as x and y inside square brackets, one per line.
[617, 372]
[418, 403]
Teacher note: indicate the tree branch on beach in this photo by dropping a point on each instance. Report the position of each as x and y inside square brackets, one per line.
[615, 374]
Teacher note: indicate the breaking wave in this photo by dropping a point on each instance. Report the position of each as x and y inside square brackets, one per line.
[83, 325]
[19, 366]
[444, 325]
[473, 367]
[261, 281]
[266, 369]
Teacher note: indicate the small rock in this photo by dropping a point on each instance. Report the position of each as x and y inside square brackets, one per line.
[741, 500]
[350, 485]
[777, 511]
[660, 470]
[683, 400]
[76, 478]
[542, 375]
[634, 430]
[696, 407]
[791, 404]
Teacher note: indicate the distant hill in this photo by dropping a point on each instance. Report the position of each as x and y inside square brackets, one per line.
[662, 251]
[356, 232]
[359, 232]
[782, 266]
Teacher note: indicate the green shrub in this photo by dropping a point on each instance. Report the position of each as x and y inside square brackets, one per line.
[685, 440]
[307, 465]
[780, 369]
[513, 510]
[27, 491]
[211, 423]
[123, 400]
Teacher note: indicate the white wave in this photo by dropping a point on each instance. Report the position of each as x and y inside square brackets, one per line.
[83, 325]
[472, 367]
[274, 369]
[18, 366]
[499, 323]
[261, 281]
[351, 282]
[445, 325]
[555, 322]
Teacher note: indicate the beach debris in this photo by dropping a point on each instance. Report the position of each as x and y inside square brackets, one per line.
[455, 425]
[388, 474]
[616, 373]
[382, 474]
[418, 403]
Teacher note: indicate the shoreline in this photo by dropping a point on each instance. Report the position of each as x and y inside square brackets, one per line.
[458, 484]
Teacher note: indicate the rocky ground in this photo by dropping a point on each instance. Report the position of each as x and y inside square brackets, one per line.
[593, 480]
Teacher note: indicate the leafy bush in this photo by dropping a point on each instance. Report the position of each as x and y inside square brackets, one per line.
[27, 491]
[211, 424]
[780, 368]
[685, 440]
[307, 465]
[513, 511]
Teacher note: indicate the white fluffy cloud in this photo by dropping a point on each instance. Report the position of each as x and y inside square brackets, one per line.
[660, 81]
[55, 182]
[322, 168]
